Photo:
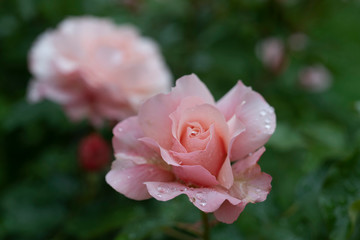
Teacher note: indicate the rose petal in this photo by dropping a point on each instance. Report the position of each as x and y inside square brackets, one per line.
[235, 97]
[166, 156]
[255, 120]
[154, 113]
[195, 175]
[127, 145]
[228, 213]
[130, 181]
[240, 167]
[250, 183]
[191, 85]
[206, 115]
[211, 158]
[41, 56]
[225, 176]
[206, 199]
[186, 103]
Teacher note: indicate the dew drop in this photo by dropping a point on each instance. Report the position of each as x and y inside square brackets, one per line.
[262, 113]
[162, 189]
[192, 199]
[120, 129]
[201, 198]
[159, 195]
[203, 203]
[243, 103]
[267, 121]
[267, 127]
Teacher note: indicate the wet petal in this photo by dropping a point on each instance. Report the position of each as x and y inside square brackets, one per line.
[206, 199]
[130, 180]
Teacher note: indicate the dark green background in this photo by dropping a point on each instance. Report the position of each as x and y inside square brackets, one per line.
[313, 157]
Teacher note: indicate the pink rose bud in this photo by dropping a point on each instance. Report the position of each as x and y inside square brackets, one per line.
[96, 69]
[271, 53]
[94, 153]
[315, 78]
[186, 143]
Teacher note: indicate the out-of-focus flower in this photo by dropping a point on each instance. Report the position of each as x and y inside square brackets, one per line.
[315, 78]
[184, 143]
[94, 153]
[298, 41]
[271, 52]
[95, 69]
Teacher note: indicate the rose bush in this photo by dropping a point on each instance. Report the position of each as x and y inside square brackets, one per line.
[96, 69]
[185, 143]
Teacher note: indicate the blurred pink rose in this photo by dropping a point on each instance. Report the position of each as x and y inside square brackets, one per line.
[184, 143]
[96, 69]
[271, 52]
[315, 78]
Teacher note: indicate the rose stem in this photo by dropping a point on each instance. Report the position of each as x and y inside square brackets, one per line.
[206, 227]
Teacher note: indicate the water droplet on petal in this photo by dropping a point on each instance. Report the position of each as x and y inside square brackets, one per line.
[267, 121]
[162, 189]
[201, 198]
[262, 113]
[120, 129]
[192, 199]
[203, 203]
[243, 103]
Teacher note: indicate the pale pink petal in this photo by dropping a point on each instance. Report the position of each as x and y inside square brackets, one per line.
[60, 93]
[250, 184]
[233, 99]
[155, 121]
[186, 103]
[253, 189]
[228, 213]
[190, 85]
[154, 113]
[259, 121]
[41, 57]
[35, 91]
[205, 115]
[206, 199]
[225, 176]
[127, 145]
[130, 181]
[241, 166]
[196, 175]
[211, 158]
[166, 156]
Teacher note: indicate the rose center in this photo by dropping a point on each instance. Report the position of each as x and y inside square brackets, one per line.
[194, 131]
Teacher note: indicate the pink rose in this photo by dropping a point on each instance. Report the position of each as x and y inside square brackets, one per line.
[271, 52]
[185, 143]
[315, 78]
[96, 69]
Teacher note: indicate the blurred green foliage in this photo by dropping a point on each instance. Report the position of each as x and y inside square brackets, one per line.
[313, 157]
